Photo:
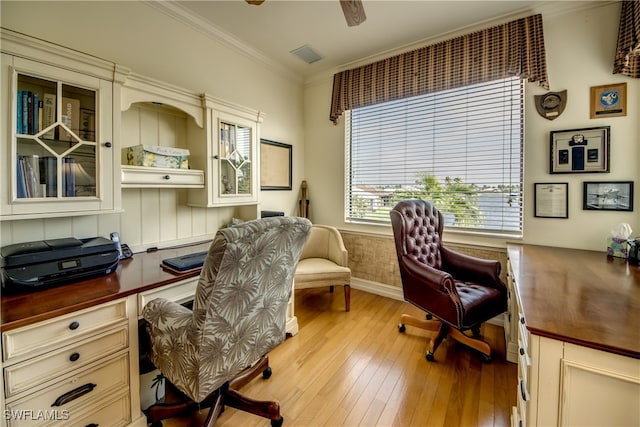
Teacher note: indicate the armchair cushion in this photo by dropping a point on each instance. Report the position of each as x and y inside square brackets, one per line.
[311, 271]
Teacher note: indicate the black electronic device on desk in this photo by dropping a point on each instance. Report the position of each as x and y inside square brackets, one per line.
[32, 266]
[185, 263]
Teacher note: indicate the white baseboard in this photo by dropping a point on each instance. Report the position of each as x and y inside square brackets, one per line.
[394, 292]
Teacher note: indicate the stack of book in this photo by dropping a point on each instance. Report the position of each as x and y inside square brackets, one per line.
[35, 112]
[38, 176]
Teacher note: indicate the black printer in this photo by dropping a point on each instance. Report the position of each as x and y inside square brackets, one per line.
[31, 266]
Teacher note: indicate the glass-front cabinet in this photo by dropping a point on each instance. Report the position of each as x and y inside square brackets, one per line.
[230, 157]
[235, 159]
[59, 158]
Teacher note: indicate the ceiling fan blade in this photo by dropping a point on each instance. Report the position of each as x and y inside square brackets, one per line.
[353, 12]
[255, 2]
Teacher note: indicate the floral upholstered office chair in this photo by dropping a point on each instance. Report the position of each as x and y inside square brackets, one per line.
[239, 315]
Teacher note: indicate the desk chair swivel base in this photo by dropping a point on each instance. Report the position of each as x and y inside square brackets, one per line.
[227, 395]
[443, 330]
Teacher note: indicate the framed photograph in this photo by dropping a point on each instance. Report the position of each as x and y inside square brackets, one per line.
[608, 196]
[275, 165]
[609, 100]
[551, 200]
[579, 150]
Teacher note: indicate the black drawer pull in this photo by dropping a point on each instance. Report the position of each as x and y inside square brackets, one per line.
[74, 325]
[167, 177]
[74, 357]
[523, 390]
[92, 425]
[522, 352]
[73, 394]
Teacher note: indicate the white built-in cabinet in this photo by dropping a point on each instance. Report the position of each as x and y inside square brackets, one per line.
[58, 154]
[229, 156]
[564, 384]
[222, 139]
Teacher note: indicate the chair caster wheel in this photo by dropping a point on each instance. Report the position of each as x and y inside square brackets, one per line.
[428, 316]
[485, 358]
[266, 374]
[430, 357]
[402, 328]
[277, 423]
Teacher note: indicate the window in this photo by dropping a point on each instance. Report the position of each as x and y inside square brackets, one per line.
[459, 148]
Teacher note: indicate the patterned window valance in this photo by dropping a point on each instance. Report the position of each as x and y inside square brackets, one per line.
[512, 49]
[627, 59]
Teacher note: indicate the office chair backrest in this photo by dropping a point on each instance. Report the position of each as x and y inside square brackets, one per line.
[239, 308]
[417, 227]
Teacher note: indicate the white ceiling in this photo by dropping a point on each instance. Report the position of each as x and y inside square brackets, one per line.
[275, 28]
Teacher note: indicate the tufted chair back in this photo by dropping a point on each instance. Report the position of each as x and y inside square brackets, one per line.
[419, 225]
[239, 308]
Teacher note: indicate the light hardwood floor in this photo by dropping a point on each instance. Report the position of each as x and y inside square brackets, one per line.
[356, 369]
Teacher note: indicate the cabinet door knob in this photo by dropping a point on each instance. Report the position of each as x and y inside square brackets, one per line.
[522, 352]
[74, 357]
[74, 325]
[167, 177]
[216, 157]
[107, 144]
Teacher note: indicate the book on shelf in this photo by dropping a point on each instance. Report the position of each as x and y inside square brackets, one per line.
[31, 175]
[49, 175]
[25, 111]
[21, 184]
[39, 117]
[19, 112]
[87, 124]
[70, 118]
[69, 177]
[49, 114]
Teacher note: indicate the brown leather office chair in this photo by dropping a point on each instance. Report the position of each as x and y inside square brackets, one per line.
[460, 291]
[239, 315]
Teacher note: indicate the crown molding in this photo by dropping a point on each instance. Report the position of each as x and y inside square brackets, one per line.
[181, 14]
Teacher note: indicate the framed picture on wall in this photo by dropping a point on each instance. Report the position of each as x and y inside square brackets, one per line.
[608, 196]
[551, 200]
[609, 100]
[275, 165]
[579, 150]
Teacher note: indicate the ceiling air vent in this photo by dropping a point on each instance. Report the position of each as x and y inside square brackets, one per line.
[307, 54]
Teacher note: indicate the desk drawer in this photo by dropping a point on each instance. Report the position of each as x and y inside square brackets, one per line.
[49, 366]
[44, 336]
[109, 412]
[179, 292]
[73, 394]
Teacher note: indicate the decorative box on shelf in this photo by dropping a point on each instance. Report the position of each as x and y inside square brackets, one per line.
[157, 156]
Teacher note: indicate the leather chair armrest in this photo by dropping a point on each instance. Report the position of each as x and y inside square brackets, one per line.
[438, 279]
[473, 269]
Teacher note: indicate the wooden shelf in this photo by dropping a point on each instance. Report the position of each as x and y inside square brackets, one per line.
[147, 177]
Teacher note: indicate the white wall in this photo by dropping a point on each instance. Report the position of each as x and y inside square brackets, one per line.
[151, 43]
[580, 48]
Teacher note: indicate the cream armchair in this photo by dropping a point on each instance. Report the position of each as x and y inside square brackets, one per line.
[324, 262]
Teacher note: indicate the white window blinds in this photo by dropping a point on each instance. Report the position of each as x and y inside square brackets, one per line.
[460, 148]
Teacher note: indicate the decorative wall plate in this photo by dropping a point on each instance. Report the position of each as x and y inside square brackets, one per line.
[551, 104]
